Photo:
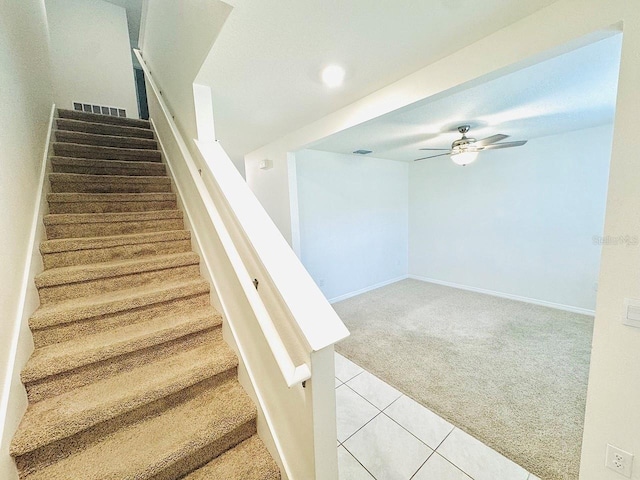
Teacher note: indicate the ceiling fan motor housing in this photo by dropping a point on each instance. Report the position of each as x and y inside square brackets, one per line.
[465, 143]
[462, 143]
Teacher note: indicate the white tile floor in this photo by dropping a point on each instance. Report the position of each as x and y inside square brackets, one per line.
[384, 435]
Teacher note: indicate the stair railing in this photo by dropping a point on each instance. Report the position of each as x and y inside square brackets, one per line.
[259, 281]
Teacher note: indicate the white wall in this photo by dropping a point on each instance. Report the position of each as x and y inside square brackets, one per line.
[612, 415]
[176, 39]
[353, 220]
[26, 98]
[518, 221]
[91, 55]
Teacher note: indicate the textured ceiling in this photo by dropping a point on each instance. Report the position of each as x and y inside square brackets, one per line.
[569, 92]
[265, 66]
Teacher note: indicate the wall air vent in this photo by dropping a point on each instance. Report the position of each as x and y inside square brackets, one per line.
[99, 109]
[363, 152]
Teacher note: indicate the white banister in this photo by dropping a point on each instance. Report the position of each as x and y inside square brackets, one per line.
[314, 316]
[292, 374]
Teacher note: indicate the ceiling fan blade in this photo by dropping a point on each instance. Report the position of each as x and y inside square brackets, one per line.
[495, 146]
[490, 140]
[433, 156]
[443, 149]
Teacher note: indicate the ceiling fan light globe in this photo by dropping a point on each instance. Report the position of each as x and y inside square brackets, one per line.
[464, 158]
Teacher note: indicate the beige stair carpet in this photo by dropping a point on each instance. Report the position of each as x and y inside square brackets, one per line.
[130, 377]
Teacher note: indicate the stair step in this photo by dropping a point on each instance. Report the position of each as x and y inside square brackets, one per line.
[59, 284]
[110, 202]
[54, 369]
[62, 321]
[106, 224]
[75, 251]
[210, 423]
[73, 182]
[107, 119]
[106, 153]
[102, 128]
[250, 460]
[106, 167]
[66, 415]
[82, 138]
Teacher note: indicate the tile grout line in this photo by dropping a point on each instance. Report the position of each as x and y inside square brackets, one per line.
[446, 436]
[356, 459]
[411, 433]
[351, 378]
[436, 451]
[433, 452]
[401, 395]
[349, 387]
[367, 423]
[456, 466]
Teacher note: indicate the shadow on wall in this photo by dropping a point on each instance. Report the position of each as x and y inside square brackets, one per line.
[141, 93]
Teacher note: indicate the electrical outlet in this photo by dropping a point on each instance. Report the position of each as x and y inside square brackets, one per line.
[619, 461]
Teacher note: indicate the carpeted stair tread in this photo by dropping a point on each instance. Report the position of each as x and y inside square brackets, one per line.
[65, 356]
[76, 282]
[208, 424]
[75, 197]
[79, 182]
[249, 460]
[102, 128]
[71, 218]
[88, 178]
[74, 310]
[67, 414]
[97, 152]
[107, 119]
[66, 252]
[116, 141]
[76, 202]
[90, 243]
[83, 273]
[92, 166]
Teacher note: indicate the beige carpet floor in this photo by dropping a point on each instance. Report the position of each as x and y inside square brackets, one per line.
[512, 374]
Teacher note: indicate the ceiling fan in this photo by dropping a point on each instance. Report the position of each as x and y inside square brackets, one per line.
[465, 150]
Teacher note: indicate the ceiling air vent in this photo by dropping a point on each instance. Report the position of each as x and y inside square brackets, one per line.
[99, 109]
[363, 152]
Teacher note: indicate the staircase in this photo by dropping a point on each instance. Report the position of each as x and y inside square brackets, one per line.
[130, 377]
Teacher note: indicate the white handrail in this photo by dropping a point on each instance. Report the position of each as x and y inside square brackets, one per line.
[315, 318]
[292, 374]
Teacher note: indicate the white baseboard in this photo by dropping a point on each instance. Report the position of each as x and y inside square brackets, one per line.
[366, 289]
[544, 303]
